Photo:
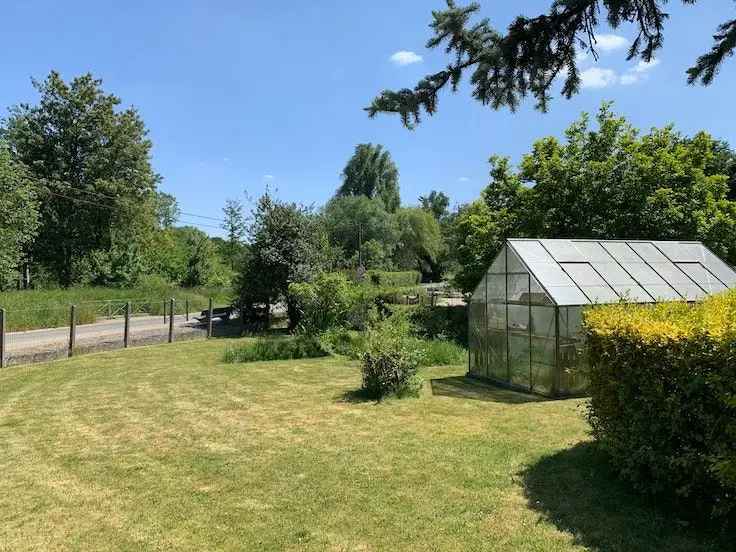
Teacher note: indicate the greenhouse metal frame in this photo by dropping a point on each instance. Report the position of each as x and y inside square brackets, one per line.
[525, 316]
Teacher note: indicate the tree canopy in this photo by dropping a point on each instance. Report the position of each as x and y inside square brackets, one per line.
[535, 51]
[608, 182]
[436, 203]
[371, 172]
[92, 162]
[18, 215]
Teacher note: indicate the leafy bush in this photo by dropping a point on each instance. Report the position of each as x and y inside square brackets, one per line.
[384, 278]
[391, 360]
[322, 304]
[285, 348]
[441, 323]
[344, 342]
[662, 383]
[440, 352]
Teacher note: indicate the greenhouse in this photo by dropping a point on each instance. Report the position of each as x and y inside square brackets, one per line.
[525, 316]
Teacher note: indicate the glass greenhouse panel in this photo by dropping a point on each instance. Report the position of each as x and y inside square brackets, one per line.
[720, 269]
[563, 251]
[543, 342]
[613, 273]
[531, 251]
[499, 264]
[477, 330]
[682, 251]
[495, 288]
[573, 353]
[497, 361]
[621, 252]
[633, 293]
[568, 295]
[600, 294]
[593, 252]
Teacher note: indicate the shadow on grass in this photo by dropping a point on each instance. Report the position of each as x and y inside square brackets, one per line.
[463, 387]
[356, 396]
[577, 491]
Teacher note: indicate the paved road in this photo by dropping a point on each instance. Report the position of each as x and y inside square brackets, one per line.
[107, 329]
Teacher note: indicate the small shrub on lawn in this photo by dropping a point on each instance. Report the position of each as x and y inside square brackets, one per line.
[663, 388]
[391, 360]
[285, 348]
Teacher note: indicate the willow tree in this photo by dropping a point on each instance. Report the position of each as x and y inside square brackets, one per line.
[372, 173]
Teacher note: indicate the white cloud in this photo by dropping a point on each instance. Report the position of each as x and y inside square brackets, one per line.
[630, 78]
[463, 179]
[644, 66]
[595, 77]
[638, 72]
[267, 177]
[405, 57]
[226, 159]
[581, 56]
[609, 42]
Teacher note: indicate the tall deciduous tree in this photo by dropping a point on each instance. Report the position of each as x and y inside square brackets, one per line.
[282, 251]
[436, 203]
[92, 161]
[361, 227]
[420, 241]
[18, 215]
[167, 210]
[534, 51]
[234, 226]
[372, 173]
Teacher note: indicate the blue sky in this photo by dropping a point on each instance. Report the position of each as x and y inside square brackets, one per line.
[240, 94]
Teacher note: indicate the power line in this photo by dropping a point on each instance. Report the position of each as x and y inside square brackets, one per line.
[113, 198]
[113, 208]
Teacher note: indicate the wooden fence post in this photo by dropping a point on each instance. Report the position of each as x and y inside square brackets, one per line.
[171, 320]
[126, 333]
[209, 320]
[72, 329]
[186, 308]
[2, 338]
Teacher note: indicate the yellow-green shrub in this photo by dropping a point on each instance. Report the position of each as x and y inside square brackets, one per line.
[662, 384]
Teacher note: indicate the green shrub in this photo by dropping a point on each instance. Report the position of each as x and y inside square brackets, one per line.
[662, 383]
[440, 352]
[322, 304]
[441, 323]
[284, 348]
[391, 360]
[384, 278]
[344, 342]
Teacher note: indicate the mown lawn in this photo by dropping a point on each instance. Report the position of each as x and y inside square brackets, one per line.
[168, 448]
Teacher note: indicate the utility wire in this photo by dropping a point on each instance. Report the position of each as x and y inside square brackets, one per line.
[113, 208]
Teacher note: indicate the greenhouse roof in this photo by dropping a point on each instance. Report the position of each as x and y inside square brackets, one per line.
[582, 272]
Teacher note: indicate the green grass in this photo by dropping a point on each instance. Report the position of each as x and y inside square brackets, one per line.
[168, 448]
[31, 309]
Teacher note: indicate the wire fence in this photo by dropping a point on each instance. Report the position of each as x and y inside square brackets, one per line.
[54, 331]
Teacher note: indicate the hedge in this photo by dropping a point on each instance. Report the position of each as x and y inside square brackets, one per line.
[394, 279]
[663, 398]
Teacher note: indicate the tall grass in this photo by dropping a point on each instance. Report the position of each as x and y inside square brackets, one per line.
[32, 309]
[276, 348]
